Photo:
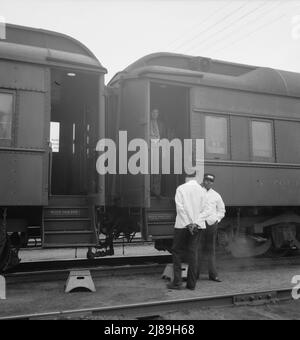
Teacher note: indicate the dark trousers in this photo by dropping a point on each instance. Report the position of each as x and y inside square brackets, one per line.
[185, 244]
[207, 250]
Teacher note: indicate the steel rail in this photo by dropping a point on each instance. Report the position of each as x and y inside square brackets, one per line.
[157, 308]
[125, 266]
[99, 272]
[59, 270]
[47, 265]
[36, 266]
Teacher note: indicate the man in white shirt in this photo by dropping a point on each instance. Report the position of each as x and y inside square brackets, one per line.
[208, 237]
[192, 211]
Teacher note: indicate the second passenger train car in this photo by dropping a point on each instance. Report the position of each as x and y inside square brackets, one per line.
[249, 118]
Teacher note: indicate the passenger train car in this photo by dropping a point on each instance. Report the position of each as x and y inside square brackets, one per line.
[249, 118]
[54, 108]
[49, 82]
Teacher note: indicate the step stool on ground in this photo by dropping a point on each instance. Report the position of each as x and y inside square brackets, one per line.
[2, 288]
[80, 280]
[169, 272]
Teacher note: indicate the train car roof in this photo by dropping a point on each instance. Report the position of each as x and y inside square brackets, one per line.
[41, 46]
[211, 72]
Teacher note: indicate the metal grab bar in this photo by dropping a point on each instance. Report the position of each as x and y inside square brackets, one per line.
[50, 169]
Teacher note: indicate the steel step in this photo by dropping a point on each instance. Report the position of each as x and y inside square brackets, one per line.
[68, 201]
[67, 245]
[162, 204]
[73, 238]
[56, 225]
[68, 232]
[66, 212]
[68, 221]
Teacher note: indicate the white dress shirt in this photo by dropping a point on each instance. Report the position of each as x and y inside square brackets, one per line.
[217, 207]
[191, 205]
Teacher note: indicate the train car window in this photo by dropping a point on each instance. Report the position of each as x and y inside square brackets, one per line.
[216, 135]
[54, 136]
[262, 139]
[6, 112]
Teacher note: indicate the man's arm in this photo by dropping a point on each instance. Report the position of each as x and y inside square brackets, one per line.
[220, 209]
[206, 212]
[180, 207]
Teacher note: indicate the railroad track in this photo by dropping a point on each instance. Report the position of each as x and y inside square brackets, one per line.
[125, 266]
[153, 310]
[25, 267]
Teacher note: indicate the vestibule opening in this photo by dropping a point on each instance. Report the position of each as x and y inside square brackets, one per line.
[172, 102]
[73, 131]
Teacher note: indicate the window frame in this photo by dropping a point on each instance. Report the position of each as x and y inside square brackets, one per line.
[218, 156]
[10, 142]
[260, 158]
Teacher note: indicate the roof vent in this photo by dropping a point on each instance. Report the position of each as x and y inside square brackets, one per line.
[200, 64]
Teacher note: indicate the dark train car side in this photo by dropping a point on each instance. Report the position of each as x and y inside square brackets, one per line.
[51, 111]
[249, 118]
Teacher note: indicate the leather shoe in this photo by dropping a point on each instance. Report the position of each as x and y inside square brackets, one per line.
[215, 279]
[174, 287]
[190, 288]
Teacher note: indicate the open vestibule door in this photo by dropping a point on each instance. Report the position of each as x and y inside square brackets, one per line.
[75, 129]
[134, 120]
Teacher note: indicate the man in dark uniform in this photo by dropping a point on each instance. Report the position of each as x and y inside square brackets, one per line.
[208, 236]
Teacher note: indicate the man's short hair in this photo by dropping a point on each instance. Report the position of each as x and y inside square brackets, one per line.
[192, 175]
[209, 177]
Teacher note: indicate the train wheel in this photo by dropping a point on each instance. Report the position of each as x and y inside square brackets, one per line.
[24, 239]
[4, 254]
[285, 237]
[90, 255]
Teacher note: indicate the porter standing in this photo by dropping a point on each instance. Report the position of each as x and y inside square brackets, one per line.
[192, 212]
[209, 235]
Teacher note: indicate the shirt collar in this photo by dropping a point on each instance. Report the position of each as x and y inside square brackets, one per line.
[193, 181]
[205, 188]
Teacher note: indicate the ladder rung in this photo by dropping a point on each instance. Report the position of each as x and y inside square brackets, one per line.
[71, 232]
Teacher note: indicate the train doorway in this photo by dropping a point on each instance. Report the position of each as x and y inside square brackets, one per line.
[172, 102]
[73, 131]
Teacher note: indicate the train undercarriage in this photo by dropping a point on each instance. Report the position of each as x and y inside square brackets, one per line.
[255, 231]
[244, 232]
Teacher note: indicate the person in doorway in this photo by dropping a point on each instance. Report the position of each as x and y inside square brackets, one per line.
[156, 134]
[207, 247]
[192, 211]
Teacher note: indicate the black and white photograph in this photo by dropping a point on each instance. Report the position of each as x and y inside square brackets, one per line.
[149, 162]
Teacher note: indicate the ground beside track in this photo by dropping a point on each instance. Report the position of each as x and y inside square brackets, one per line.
[282, 311]
[28, 298]
[289, 310]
